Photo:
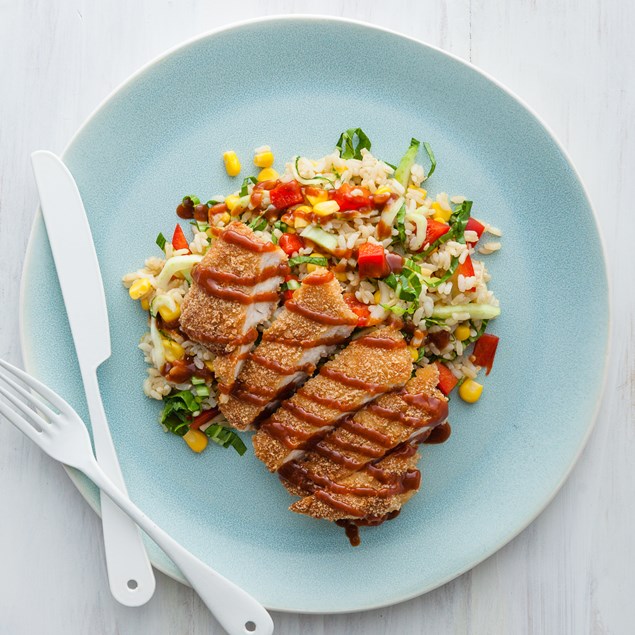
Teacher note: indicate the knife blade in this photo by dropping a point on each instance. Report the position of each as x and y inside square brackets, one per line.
[130, 574]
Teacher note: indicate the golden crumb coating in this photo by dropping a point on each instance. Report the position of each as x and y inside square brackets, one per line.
[351, 379]
[372, 432]
[290, 349]
[362, 494]
[223, 324]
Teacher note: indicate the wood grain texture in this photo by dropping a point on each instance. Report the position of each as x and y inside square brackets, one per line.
[571, 571]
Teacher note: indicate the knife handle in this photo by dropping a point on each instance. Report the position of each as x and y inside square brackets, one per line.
[130, 573]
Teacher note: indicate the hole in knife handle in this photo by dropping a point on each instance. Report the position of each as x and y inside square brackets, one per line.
[250, 627]
[132, 584]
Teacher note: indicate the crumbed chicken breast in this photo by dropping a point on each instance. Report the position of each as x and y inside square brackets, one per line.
[369, 495]
[234, 289]
[309, 327]
[371, 433]
[374, 364]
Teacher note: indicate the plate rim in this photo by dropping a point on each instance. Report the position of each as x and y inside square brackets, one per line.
[27, 353]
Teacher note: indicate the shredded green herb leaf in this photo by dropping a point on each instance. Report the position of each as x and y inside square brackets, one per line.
[401, 223]
[257, 224]
[433, 162]
[213, 201]
[177, 411]
[225, 437]
[195, 199]
[349, 149]
[200, 226]
[311, 260]
[458, 222]
[160, 241]
[244, 188]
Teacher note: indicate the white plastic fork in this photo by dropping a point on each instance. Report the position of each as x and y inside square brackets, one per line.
[64, 437]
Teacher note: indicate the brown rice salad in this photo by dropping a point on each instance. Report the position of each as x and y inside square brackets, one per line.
[400, 253]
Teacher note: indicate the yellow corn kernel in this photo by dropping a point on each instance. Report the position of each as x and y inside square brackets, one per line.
[172, 350]
[318, 198]
[377, 296]
[196, 439]
[414, 353]
[232, 202]
[263, 159]
[470, 391]
[170, 316]
[438, 218]
[232, 164]
[311, 267]
[384, 189]
[268, 174]
[299, 222]
[139, 288]
[145, 304]
[326, 208]
[443, 213]
[462, 332]
[225, 218]
[209, 366]
[341, 276]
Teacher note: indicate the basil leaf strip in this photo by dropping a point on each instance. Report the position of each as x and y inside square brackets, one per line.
[347, 146]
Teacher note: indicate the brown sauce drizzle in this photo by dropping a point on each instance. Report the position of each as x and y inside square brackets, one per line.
[367, 433]
[317, 316]
[386, 343]
[440, 434]
[211, 287]
[383, 230]
[395, 415]
[203, 273]
[352, 382]
[249, 337]
[182, 370]
[334, 404]
[351, 527]
[437, 409]
[305, 416]
[278, 368]
[341, 443]
[338, 457]
[326, 341]
[233, 237]
[289, 436]
[317, 279]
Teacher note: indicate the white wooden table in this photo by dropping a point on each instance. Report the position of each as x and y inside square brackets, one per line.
[571, 571]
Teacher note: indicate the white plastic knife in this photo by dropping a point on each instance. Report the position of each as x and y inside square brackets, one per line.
[129, 571]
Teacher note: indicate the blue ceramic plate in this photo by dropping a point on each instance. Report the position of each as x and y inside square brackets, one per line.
[296, 83]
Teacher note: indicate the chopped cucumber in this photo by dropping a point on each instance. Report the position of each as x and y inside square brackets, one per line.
[402, 174]
[201, 390]
[476, 311]
[390, 212]
[320, 237]
[175, 265]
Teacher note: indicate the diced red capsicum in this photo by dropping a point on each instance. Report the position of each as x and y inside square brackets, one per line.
[178, 239]
[348, 201]
[435, 230]
[447, 380]
[290, 243]
[466, 269]
[358, 308]
[286, 194]
[371, 261]
[485, 351]
[205, 417]
[474, 226]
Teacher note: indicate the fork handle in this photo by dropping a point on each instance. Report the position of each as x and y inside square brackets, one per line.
[237, 611]
[130, 574]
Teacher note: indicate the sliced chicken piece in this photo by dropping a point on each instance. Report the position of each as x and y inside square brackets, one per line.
[370, 495]
[309, 327]
[394, 418]
[234, 288]
[368, 367]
